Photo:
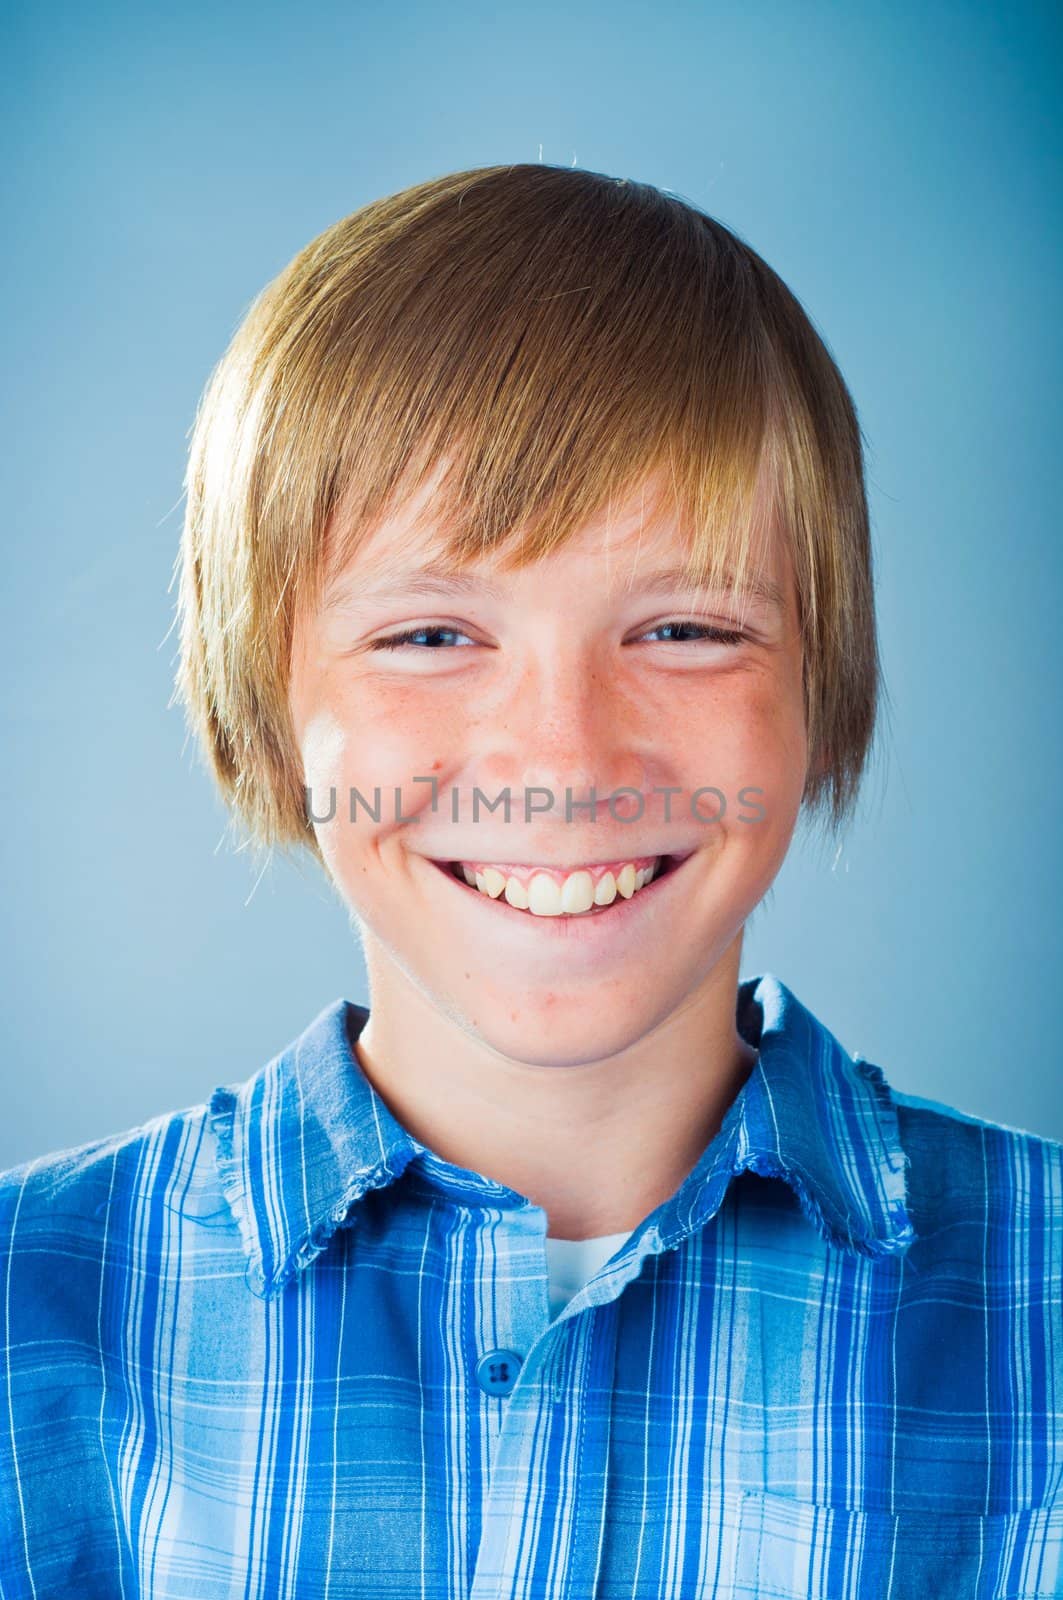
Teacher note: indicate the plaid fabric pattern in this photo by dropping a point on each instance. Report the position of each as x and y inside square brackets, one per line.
[272, 1346]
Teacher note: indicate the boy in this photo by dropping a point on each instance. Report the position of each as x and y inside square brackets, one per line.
[526, 581]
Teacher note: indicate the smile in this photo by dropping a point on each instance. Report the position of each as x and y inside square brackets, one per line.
[581, 894]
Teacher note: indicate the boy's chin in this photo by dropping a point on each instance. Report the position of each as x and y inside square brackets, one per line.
[561, 1027]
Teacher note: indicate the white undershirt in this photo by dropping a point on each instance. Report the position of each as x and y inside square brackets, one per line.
[572, 1262]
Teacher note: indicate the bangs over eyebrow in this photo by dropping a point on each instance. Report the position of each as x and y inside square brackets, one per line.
[349, 591]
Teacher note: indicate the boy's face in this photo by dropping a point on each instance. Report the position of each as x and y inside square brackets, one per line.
[570, 673]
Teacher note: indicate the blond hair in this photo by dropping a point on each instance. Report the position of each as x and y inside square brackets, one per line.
[558, 337]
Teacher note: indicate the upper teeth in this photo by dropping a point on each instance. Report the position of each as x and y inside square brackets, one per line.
[547, 894]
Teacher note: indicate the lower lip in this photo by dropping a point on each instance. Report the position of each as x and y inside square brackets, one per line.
[595, 934]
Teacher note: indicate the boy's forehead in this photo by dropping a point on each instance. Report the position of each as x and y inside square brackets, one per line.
[639, 542]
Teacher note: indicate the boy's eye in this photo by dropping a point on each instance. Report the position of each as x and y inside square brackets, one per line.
[395, 641]
[729, 636]
[427, 637]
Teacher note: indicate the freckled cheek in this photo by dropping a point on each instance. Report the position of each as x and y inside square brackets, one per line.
[724, 736]
[753, 741]
[774, 759]
[390, 741]
[765, 739]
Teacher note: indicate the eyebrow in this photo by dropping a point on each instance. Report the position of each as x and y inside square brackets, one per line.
[438, 579]
[677, 578]
[433, 579]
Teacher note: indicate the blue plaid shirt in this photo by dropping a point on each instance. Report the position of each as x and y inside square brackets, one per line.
[273, 1346]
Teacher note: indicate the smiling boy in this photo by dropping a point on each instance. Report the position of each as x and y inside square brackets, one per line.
[568, 1037]
[526, 583]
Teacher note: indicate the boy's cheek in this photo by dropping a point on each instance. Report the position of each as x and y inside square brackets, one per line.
[324, 748]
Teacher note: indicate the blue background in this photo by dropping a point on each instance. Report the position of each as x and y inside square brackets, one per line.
[899, 166]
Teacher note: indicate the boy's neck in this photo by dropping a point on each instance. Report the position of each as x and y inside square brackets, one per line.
[599, 1144]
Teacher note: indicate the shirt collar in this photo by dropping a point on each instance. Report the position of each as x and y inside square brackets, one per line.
[300, 1142]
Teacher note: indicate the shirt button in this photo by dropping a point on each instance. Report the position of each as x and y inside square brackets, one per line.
[496, 1372]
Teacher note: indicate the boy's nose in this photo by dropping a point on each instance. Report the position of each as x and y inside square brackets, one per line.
[609, 792]
[567, 728]
[583, 768]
